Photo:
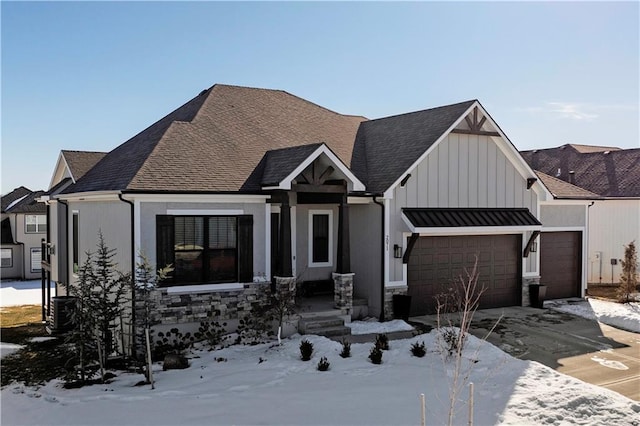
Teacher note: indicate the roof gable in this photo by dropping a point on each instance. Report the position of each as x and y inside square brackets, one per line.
[387, 147]
[28, 204]
[564, 190]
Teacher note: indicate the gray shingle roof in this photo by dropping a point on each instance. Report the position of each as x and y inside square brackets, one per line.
[80, 162]
[385, 148]
[614, 173]
[214, 142]
[14, 195]
[565, 190]
[29, 204]
[280, 163]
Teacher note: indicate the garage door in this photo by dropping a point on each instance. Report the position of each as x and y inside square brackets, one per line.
[560, 260]
[436, 261]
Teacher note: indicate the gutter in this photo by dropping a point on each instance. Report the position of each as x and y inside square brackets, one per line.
[382, 270]
[133, 277]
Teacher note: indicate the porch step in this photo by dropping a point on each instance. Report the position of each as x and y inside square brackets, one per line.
[323, 326]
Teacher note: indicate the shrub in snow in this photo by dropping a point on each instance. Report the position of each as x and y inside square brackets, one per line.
[306, 350]
[346, 349]
[172, 342]
[323, 364]
[629, 276]
[375, 355]
[211, 331]
[418, 349]
[382, 341]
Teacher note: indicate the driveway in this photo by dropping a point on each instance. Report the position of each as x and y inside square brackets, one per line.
[585, 349]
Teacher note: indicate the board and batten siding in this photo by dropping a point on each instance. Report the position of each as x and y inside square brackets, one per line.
[149, 211]
[612, 225]
[461, 171]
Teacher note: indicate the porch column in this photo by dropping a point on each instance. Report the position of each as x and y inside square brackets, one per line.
[284, 255]
[344, 256]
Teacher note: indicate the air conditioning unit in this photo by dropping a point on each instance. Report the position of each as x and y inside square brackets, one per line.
[61, 311]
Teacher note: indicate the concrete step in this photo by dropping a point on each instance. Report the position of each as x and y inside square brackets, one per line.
[331, 332]
[309, 325]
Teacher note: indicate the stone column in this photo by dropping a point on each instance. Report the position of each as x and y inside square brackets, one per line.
[343, 291]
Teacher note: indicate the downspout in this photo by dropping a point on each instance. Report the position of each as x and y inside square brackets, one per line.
[382, 270]
[133, 278]
[588, 250]
[15, 241]
[66, 243]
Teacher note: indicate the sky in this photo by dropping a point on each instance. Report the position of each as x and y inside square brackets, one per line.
[90, 75]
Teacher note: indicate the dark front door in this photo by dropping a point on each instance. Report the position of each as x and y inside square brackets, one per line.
[436, 262]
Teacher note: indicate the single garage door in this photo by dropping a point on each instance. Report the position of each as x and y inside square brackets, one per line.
[436, 261]
[560, 260]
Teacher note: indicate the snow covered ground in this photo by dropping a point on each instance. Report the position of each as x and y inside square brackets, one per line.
[16, 293]
[621, 315]
[270, 385]
[267, 384]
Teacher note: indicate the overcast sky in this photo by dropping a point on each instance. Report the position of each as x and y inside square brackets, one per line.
[88, 76]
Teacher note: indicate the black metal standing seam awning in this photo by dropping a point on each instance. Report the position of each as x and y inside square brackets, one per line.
[470, 217]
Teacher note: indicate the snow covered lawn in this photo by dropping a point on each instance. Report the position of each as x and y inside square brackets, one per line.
[621, 315]
[270, 385]
[17, 293]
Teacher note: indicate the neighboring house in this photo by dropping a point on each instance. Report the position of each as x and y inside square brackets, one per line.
[614, 220]
[243, 187]
[24, 226]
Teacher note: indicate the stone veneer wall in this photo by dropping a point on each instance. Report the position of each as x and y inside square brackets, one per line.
[189, 307]
[343, 292]
[526, 282]
[389, 292]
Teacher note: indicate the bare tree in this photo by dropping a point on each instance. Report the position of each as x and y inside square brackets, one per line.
[629, 276]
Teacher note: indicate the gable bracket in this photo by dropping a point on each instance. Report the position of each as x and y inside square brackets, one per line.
[527, 249]
[412, 242]
[475, 126]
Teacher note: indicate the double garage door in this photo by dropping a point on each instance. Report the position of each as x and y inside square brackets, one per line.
[437, 261]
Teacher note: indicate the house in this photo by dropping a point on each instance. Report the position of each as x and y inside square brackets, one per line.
[614, 218]
[24, 226]
[242, 189]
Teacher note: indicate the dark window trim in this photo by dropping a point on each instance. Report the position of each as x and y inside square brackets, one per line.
[243, 250]
[312, 262]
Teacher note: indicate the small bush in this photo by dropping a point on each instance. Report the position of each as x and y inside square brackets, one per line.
[254, 328]
[172, 342]
[212, 331]
[306, 350]
[346, 349]
[451, 342]
[376, 355]
[382, 341]
[323, 364]
[418, 349]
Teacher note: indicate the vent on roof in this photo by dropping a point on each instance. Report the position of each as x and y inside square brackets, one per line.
[203, 92]
[607, 152]
[559, 172]
[572, 177]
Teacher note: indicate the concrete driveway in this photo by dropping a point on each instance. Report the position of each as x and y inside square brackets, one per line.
[585, 349]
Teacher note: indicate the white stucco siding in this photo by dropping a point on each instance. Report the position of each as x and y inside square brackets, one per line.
[563, 216]
[612, 225]
[462, 171]
[113, 219]
[149, 211]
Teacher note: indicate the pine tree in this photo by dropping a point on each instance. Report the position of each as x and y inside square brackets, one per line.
[629, 276]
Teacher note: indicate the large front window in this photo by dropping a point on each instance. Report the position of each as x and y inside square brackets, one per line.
[35, 223]
[206, 249]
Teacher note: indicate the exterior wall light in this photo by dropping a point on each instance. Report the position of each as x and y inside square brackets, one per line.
[397, 251]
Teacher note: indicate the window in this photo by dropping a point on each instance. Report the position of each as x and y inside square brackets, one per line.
[35, 224]
[320, 238]
[74, 241]
[6, 258]
[206, 249]
[36, 259]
